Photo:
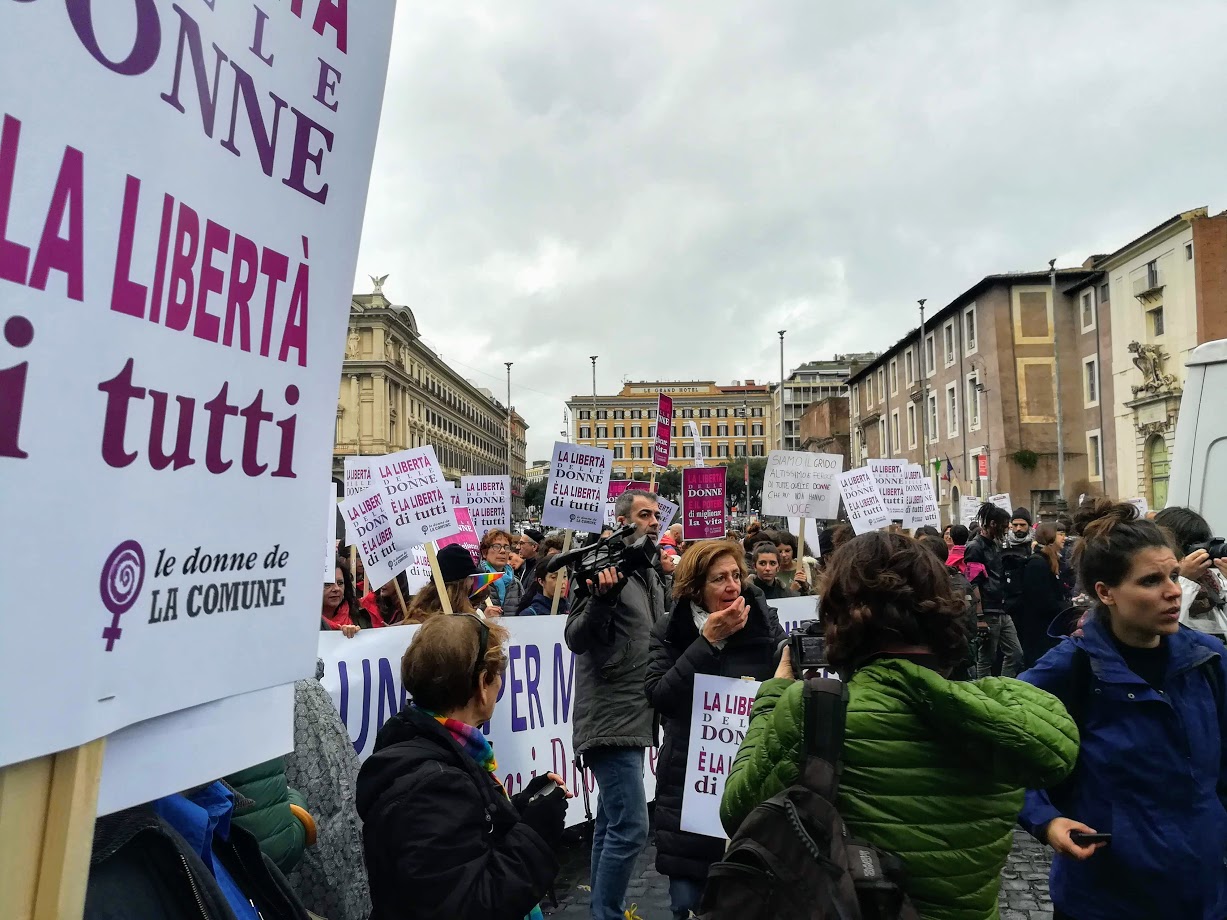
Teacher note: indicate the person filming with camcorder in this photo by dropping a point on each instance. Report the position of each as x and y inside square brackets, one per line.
[619, 596]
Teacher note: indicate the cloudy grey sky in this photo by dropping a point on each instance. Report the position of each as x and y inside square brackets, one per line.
[665, 183]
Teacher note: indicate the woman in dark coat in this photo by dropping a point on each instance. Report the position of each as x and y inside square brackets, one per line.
[718, 626]
[1043, 594]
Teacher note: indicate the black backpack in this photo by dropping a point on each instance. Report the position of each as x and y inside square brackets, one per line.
[1012, 565]
[792, 858]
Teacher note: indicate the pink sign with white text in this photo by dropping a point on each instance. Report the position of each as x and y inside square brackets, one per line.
[703, 503]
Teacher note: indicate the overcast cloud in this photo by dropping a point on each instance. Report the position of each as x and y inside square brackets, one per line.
[665, 183]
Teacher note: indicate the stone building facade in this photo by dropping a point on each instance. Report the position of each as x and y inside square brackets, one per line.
[824, 428]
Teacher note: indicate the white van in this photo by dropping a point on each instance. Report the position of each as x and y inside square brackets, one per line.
[1199, 460]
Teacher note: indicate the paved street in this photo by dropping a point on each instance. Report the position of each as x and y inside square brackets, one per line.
[1024, 884]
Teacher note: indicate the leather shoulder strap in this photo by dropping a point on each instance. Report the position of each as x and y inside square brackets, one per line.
[825, 715]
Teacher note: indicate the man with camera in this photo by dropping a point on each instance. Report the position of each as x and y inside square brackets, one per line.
[609, 631]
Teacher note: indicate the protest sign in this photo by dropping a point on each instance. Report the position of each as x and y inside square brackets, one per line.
[418, 574]
[489, 502]
[577, 486]
[384, 549]
[532, 724]
[801, 484]
[1141, 504]
[615, 488]
[668, 511]
[862, 500]
[330, 536]
[921, 508]
[703, 502]
[170, 348]
[1002, 501]
[664, 430]
[413, 484]
[888, 474]
[793, 611]
[357, 479]
[698, 445]
[969, 508]
[811, 535]
[719, 719]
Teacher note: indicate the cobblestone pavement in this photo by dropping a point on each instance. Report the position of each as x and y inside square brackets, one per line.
[1024, 883]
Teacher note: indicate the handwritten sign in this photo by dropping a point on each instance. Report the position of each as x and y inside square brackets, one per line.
[703, 503]
[489, 501]
[862, 500]
[664, 430]
[1002, 501]
[385, 553]
[414, 486]
[802, 484]
[889, 476]
[575, 493]
[719, 720]
[969, 509]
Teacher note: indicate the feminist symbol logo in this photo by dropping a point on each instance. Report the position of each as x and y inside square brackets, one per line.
[123, 574]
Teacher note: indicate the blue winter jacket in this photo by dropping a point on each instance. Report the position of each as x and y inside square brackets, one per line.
[1150, 772]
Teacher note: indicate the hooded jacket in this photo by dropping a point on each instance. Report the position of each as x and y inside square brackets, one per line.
[957, 559]
[933, 771]
[1151, 772]
[609, 635]
[442, 841]
[268, 816]
[678, 653]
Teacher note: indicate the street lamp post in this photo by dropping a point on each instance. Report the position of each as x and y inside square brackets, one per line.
[924, 393]
[593, 358]
[1056, 358]
[508, 364]
[781, 334]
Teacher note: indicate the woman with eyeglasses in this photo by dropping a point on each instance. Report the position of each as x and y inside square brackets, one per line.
[341, 612]
[441, 837]
[496, 557]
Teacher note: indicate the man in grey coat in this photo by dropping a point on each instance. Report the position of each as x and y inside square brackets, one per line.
[609, 630]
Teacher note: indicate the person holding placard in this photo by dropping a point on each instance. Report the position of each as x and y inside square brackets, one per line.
[341, 611]
[796, 573]
[466, 587]
[934, 770]
[496, 554]
[608, 629]
[717, 626]
[442, 838]
[383, 606]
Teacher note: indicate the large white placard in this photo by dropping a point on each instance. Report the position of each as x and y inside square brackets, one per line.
[489, 501]
[383, 545]
[183, 186]
[888, 474]
[417, 494]
[357, 479]
[668, 511]
[969, 508]
[719, 720]
[921, 504]
[862, 500]
[576, 489]
[532, 724]
[1002, 501]
[802, 484]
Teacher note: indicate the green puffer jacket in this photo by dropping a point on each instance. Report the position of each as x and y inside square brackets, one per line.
[282, 836]
[934, 772]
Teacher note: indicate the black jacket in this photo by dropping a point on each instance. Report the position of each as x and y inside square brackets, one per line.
[1042, 600]
[772, 590]
[991, 584]
[609, 636]
[679, 652]
[440, 836]
[141, 868]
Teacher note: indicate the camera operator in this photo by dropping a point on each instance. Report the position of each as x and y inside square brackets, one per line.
[1203, 578]
[609, 630]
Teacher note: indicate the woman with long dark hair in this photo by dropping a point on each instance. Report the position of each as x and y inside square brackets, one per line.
[1147, 694]
[341, 612]
[934, 770]
[1043, 594]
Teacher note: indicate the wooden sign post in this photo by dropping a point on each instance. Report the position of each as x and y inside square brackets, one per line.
[562, 575]
[440, 585]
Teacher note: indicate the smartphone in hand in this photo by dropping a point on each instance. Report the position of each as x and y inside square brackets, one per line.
[1083, 839]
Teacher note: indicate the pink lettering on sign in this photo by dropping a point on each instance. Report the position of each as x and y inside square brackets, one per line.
[703, 503]
[664, 430]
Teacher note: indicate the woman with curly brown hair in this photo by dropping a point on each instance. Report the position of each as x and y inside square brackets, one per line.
[934, 770]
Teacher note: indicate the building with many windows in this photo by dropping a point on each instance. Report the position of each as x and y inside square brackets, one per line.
[732, 421]
[806, 385]
[397, 393]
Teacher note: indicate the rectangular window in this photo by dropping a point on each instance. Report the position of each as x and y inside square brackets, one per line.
[1090, 381]
[757, 431]
[705, 413]
[1188, 252]
[675, 449]
[1155, 321]
[707, 431]
[969, 329]
[883, 442]
[894, 377]
[856, 399]
[739, 430]
[1103, 292]
[1094, 455]
[619, 413]
[619, 431]
[1087, 310]
[973, 403]
[932, 417]
[895, 443]
[948, 342]
[618, 451]
[722, 450]
[687, 413]
[758, 413]
[757, 450]
[722, 431]
[636, 431]
[930, 356]
[601, 413]
[585, 431]
[602, 431]
[722, 413]
[636, 413]
[909, 368]
[636, 452]
[911, 425]
[952, 410]
[585, 413]
[882, 385]
[739, 450]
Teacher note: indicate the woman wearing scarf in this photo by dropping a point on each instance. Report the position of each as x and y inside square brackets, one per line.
[441, 837]
[496, 557]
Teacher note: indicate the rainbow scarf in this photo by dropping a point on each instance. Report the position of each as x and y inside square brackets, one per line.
[476, 746]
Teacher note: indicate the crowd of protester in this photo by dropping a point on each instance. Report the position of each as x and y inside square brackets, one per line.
[1065, 676]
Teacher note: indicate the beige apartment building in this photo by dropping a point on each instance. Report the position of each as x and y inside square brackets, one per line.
[397, 393]
[732, 421]
[974, 396]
